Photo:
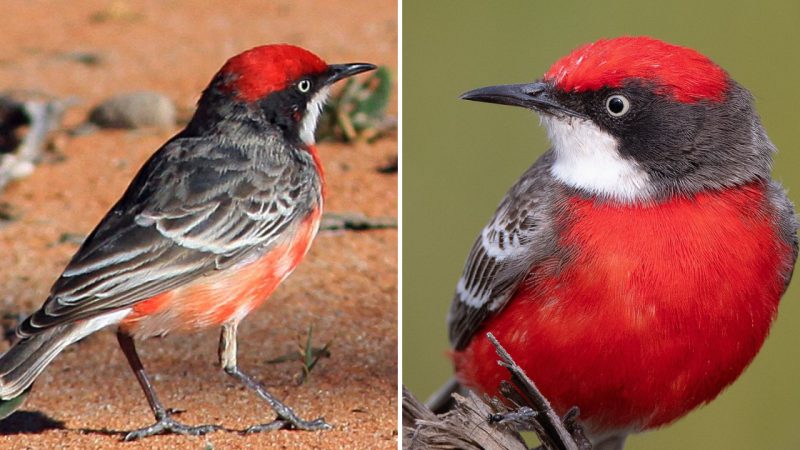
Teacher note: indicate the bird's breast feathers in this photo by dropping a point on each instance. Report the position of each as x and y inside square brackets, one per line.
[671, 290]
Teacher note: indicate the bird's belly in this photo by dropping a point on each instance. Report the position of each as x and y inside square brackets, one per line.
[223, 296]
[653, 312]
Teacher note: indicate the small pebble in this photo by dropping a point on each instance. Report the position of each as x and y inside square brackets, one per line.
[135, 110]
[14, 167]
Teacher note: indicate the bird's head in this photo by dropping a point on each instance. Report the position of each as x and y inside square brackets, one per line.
[283, 85]
[635, 118]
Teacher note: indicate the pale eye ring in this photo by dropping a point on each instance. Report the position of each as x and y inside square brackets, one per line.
[304, 86]
[617, 105]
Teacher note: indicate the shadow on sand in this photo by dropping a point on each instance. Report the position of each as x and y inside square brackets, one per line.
[28, 422]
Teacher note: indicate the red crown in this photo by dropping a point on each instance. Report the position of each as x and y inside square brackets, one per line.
[678, 71]
[269, 68]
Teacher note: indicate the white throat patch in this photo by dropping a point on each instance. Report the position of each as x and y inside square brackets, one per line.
[587, 158]
[309, 123]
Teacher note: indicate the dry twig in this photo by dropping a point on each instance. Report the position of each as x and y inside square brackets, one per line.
[42, 117]
[477, 423]
[465, 427]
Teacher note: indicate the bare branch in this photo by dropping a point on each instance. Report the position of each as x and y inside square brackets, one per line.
[476, 423]
[551, 430]
[467, 426]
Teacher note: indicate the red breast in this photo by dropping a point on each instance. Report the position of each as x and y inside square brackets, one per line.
[647, 312]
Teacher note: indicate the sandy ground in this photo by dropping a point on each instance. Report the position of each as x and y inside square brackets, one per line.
[346, 287]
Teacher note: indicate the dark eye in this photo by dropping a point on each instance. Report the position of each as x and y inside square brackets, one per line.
[304, 86]
[617, 105]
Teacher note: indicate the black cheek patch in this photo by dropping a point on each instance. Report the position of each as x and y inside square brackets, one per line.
[657, 132]
[286, 108]
[282, 109]
[686, 147]
[661, 136]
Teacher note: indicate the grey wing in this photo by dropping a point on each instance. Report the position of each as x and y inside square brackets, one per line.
[519, 235]
[786, 225]
[196, 206]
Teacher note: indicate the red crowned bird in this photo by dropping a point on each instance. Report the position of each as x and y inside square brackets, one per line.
[635, 269]
[215, 220]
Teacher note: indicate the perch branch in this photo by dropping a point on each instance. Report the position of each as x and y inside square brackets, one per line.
[550, 429]
[466, 426]
[479, 423]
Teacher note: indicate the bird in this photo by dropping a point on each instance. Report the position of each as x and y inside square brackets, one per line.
[209, 227]
[634, 270]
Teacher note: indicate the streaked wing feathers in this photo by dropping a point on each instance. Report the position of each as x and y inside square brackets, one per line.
[198, 205]
[517, 237]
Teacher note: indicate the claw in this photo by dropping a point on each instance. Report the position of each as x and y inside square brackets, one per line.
[287, 419]
[311, 425]
[275, 425]
[290, 424]
[167, 425]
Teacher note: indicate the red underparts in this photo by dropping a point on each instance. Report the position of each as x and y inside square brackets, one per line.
[651, 312]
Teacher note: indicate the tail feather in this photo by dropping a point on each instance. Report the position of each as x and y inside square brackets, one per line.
[23, 362]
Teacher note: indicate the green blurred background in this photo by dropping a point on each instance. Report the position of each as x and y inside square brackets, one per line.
[460, 157]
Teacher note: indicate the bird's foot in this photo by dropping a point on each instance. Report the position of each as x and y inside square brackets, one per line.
[287, 419]
[167, 425]
[294, 423]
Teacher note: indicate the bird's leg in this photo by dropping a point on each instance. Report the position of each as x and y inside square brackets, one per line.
[164, 423]
[286, 417]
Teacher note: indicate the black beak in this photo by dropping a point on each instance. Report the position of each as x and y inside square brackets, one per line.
[536, 96]
[337, 72]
